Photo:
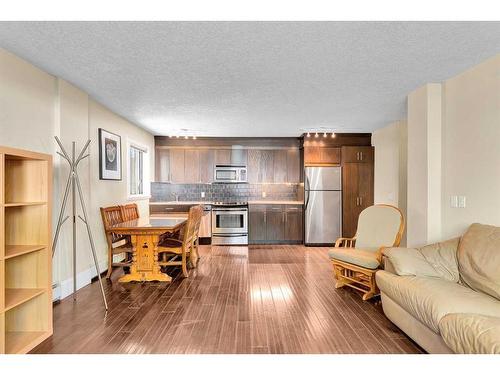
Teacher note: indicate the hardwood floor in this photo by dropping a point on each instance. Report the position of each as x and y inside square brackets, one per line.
[257, 299]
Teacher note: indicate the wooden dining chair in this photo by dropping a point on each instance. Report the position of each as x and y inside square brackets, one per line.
[117, 244]
[130, 212]
[182, 247]
[356, 260]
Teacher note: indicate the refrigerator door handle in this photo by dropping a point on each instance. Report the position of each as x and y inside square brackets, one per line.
[307, 199]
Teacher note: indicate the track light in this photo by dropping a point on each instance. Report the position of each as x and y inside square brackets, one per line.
[194, 136]
[176, 136]
[333, 135]
[324, 135]
[308, 135]
[186, 137]
[316, 135]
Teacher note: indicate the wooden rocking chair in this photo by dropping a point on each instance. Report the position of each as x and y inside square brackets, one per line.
[356, 260]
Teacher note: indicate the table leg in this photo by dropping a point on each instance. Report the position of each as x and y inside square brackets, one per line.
[145, 265]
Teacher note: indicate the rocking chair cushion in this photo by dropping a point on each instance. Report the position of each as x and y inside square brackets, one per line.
[359, 257]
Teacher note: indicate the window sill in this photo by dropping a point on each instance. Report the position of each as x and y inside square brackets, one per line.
[138, 197]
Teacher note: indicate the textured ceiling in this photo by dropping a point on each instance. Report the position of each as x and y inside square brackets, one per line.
[253, 78]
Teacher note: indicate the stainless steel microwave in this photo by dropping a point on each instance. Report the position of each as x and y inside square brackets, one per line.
[230, 174]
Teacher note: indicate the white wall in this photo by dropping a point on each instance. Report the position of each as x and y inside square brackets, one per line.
[471, 147]
[36, 106]
[390, 187]
[453, 141]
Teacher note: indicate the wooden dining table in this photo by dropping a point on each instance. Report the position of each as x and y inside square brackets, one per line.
[145, 234]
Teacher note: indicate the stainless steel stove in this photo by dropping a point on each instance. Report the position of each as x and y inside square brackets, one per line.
[230, 223]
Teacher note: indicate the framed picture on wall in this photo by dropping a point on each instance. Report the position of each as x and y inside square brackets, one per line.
[110, 156]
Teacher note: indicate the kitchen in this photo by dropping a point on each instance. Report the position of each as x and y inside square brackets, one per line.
[305, 190]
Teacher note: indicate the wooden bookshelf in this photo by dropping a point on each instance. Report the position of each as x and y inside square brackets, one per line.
[25, 250]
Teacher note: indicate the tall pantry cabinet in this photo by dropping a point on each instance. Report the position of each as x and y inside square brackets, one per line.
[357, 185]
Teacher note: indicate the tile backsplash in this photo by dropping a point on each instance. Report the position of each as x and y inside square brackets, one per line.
[161, 191]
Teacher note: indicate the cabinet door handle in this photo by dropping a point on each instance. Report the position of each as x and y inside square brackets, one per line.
[357, 201]
[361, 155]
[357, 155]
[265, 217]
[360, 201]
[284, 217]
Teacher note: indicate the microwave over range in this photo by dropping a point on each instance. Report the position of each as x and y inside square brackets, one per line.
[230, 174]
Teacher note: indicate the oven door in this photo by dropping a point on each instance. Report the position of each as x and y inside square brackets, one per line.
[227, 221]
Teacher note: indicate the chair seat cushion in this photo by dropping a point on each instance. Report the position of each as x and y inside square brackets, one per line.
[430, 299]
[358, 257]
[471, 333]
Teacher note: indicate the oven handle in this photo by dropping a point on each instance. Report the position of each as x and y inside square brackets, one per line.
[229, 235]
[237, 210]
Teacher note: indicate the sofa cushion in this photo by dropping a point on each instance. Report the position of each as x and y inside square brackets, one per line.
[479, 259]
[471, 333]
[359, 257]
[436, 260]
[429, 299]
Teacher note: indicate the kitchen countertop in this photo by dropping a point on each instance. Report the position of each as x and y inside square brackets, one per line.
[209, 202]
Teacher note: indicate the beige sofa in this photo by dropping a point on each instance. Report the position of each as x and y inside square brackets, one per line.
[446, 296]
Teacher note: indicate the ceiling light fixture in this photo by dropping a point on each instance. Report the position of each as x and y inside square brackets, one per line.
[333, 135]
[324, 135]
[316, 135]
[194, 136]
[186, 137]
[308, 134]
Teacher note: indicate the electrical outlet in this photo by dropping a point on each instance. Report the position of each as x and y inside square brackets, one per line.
[461, 201]
[454, 201]
[203, 194]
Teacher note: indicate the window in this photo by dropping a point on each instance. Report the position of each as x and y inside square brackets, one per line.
[136, 170]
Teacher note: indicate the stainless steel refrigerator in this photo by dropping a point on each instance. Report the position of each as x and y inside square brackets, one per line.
[323, 205]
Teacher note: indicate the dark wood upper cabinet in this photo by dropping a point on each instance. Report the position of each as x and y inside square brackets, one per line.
[162, 165]
[260, 166]
[222, 157]
[293, 165]
[177, 166]
[191, 166]
[314, 155]
[207, 163]
[352, 154]
[280, 166]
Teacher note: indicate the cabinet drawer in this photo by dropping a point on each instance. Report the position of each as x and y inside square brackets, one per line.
[168, 209]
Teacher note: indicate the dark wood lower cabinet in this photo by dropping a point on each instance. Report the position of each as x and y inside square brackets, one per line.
[257, 224]
[275, 224]
[293, 224]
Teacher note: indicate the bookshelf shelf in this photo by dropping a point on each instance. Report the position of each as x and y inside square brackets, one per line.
[25, 257]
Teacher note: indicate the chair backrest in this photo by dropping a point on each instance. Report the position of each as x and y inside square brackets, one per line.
[130, 212]
[192, 226]
[110, 216]
[379, 226]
